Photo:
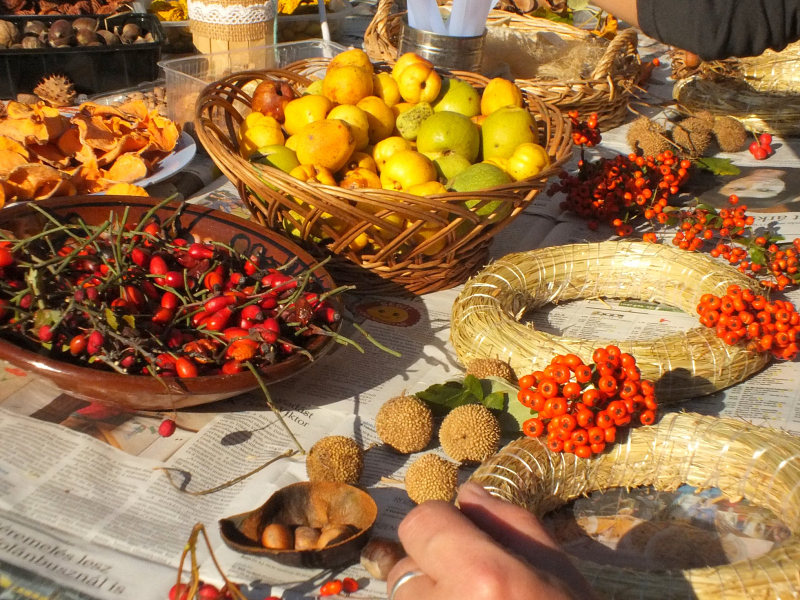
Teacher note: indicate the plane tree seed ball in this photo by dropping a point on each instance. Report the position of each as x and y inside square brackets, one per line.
[405, 423]
[431, 477]
[470, 433]
[335, 458]
[490, 367]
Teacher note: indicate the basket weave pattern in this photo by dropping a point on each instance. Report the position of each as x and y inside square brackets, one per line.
[743, 461]
[486, 318]
[606, 92]
[403, 260]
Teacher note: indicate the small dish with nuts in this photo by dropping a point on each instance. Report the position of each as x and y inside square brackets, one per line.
[309, 524]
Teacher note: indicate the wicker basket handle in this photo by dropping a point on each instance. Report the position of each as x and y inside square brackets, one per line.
[381, 17]
[626, 37]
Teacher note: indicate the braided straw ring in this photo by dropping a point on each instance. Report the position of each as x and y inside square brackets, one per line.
[487, 315]
[743, 461]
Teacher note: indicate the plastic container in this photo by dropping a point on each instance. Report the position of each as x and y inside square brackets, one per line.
[93, 69]
[293, 28]
[186, 77]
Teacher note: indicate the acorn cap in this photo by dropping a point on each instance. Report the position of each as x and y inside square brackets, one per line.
[431, 477]
[335, 458]
[470, 433]
[405, 423]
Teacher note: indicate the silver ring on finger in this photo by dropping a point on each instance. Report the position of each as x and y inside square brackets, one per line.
[404, 578]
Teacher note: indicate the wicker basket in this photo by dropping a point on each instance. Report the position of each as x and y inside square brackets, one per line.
[486, 316]
[607, 92]
[402, 259]
[743, 461]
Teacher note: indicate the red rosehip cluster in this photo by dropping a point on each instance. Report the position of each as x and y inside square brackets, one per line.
[742, 316]
[580, 406]
[762, 148]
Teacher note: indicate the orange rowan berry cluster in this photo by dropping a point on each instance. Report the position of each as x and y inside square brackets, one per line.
[580, 406]
[742, 316]
[584, 133]
[756, 256]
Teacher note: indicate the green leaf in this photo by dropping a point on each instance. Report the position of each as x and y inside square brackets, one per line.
[757, 256]
[708, 207]
[578, 4]
[111, 319]
[130, 320]
[473, 385]
[544, 13]
[718, 166]
[495, 400]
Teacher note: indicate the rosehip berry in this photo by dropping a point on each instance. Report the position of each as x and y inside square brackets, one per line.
[331, 588]
[207, 591]
[350, 585]
[765, 139]
[166, 429]
[45, 333]
[753, 147]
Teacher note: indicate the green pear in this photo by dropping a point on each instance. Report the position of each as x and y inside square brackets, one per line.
[277, 156]
[505, 129]
[450, 165]
[479, 177]
[449, 133]
[409, 122]
[314, 88]
[458, 96]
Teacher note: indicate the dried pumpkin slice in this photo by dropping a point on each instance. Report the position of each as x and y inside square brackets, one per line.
[70, 142]
[36, 182]
[94, 133]
[126, 189]
[6, 143]
[24, 131]
[9, 161]
[127, 169]
[50, 154]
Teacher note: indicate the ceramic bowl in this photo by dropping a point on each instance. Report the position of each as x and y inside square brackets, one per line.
[310, 504]
[142, 392]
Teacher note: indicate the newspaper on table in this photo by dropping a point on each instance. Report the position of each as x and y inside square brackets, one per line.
[84, 500]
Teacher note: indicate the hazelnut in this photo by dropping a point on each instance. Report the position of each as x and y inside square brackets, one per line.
[333, 534]
[277, 537]
[305, 538]
[380, 555]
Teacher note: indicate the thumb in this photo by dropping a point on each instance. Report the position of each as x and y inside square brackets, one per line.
[520, 532]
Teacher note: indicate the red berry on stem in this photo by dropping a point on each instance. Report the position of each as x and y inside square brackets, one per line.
[765, 139]
[760, 153]
[207, 591]
[753, 147]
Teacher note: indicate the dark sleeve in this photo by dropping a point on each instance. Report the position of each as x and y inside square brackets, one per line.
[716, 29]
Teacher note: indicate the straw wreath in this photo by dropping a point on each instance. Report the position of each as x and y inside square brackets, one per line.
[743, 461]
[607, 91]
[487, 317]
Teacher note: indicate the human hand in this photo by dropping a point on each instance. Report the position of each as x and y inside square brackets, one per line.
[488, 549]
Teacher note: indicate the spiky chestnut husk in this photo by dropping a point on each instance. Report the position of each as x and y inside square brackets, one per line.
[647, 136]
[56, 90]
[730, 134]
[693, 135]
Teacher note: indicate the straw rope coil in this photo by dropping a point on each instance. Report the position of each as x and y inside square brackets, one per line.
[487, 315]
[607, 91]
[742, 460]
[763, 92]
[403, 260]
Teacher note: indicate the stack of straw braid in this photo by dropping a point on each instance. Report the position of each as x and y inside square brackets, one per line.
[763, 92]
[487, 315]
[743, 461]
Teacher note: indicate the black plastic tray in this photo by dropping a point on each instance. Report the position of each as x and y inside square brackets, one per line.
[93, 69]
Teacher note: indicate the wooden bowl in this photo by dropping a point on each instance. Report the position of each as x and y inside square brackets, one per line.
[307, 504]
[143, 392]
